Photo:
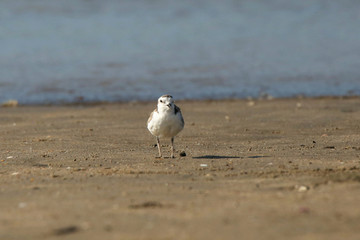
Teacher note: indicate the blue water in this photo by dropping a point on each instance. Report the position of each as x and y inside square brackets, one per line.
[108, 50]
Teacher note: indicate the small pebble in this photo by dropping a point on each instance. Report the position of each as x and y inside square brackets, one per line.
[203, 165]
[66, 230]
[210, 176]
[330, 147]
[303, 189]
[182, 154]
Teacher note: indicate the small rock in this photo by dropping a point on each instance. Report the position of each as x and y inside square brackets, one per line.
[203, 165]
[303, 188]
[182, 154]
[210, 176]
[148, 204]
[66, 230]
[330, 147]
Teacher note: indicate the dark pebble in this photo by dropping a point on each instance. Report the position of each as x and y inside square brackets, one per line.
[149, 204]
[66, 230]
[330, 147]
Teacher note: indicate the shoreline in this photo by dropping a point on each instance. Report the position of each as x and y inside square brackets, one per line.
[97, 103]
[280, 168]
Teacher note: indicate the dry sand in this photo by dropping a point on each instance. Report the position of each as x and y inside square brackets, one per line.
[274, 169]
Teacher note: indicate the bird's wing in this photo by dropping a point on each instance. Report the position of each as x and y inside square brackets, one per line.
[151, 116]
[178, 111]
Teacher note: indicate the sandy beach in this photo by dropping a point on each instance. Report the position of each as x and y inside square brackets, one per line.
[261, 169]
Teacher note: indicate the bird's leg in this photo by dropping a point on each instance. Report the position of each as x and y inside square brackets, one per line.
[172, 147]
[159, 147]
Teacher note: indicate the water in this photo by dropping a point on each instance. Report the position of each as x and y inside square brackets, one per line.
[107, 50]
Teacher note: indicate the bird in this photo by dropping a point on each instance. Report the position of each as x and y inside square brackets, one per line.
[166, 121]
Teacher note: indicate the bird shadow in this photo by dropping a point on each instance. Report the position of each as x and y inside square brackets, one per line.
[225, 157]
[258, 156]
[214, 157]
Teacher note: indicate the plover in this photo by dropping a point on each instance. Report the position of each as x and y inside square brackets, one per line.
[166, 121]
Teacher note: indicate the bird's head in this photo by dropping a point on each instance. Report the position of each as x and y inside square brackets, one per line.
[166, 103]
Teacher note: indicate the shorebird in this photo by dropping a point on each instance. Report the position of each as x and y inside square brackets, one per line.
[166, 121]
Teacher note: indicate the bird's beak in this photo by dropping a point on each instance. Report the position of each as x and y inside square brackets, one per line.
[169, 105]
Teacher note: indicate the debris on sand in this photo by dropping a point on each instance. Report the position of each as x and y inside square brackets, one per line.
[10, 103]
[149, 204]
[303, 188]
[182, 154]
[66, 230]
[329, 147]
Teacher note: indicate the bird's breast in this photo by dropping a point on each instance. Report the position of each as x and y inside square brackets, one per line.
[166, 125]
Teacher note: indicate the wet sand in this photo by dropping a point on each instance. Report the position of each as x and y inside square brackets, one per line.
[271, 169]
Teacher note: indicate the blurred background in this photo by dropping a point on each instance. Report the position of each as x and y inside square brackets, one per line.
[64, 51]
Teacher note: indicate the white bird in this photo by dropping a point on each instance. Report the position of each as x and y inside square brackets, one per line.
[166, 121]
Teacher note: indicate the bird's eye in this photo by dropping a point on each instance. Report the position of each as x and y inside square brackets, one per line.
[161, 101]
